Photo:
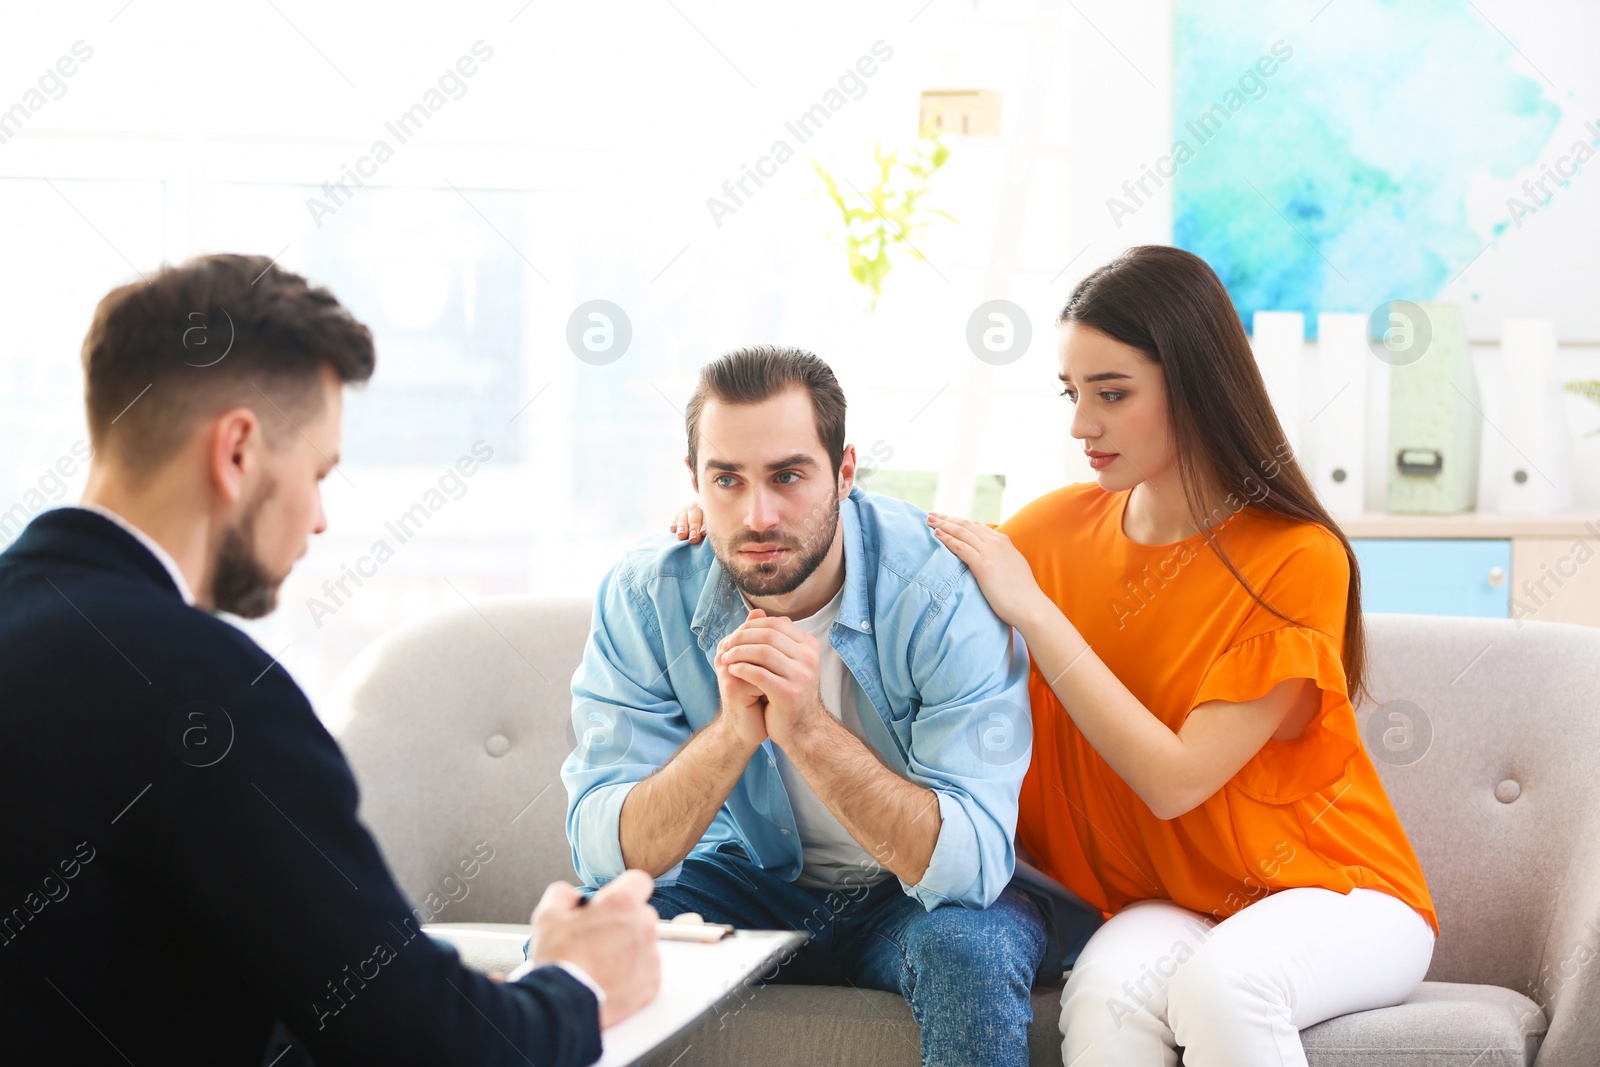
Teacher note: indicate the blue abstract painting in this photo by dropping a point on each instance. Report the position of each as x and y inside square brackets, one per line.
[1326, 165]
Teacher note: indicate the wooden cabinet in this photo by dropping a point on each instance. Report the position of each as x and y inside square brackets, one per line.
[1544, 567]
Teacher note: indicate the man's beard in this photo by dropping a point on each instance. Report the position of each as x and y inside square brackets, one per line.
[781, 576]
[240, 585]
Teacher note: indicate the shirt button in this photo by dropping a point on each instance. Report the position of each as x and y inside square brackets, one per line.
[866, 624]
[785, 833]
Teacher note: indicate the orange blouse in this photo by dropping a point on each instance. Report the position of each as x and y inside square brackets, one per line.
[1177, 628]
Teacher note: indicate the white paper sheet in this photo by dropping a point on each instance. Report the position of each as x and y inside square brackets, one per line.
[694, 977]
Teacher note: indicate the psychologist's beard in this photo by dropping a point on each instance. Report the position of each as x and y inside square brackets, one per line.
[241, 585]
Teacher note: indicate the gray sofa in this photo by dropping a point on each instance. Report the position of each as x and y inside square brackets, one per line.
[457, 725]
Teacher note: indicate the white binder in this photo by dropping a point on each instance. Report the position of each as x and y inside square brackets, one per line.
[1526, 450]
[1338, 427]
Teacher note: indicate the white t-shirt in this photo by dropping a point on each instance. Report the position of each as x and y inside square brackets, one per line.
[831, 855]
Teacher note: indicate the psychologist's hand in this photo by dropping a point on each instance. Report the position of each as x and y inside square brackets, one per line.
[1002, 573]
[744, 706]
[613, 939]
[690, 524]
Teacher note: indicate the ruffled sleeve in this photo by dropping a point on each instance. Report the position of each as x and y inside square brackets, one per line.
[1286, 771]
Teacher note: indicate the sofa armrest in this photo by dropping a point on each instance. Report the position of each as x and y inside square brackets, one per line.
[486, 947]
[1568, 984]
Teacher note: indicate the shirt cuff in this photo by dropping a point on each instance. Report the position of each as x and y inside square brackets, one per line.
[955, 872]
[583, 976]
[599, 838]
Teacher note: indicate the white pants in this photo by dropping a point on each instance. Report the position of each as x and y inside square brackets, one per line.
[1237, 993]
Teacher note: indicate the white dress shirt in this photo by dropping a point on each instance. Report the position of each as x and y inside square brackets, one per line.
[148, 542]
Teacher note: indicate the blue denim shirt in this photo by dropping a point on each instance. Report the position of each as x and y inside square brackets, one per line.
[942, 693]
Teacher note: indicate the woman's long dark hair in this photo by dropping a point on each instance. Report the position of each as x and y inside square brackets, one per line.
[1172, 307]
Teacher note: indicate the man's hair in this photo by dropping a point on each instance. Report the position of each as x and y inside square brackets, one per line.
[760, 372]
[199, 338]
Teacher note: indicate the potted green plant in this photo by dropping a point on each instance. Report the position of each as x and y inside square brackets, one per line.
[1589, 389]
[891, 213]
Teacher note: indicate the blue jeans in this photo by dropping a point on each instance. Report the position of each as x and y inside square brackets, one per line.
[966, 974]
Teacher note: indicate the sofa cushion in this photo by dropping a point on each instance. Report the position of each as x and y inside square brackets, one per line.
[456, 726]
[1445, 1024]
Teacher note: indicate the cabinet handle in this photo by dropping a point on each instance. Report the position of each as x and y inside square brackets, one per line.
[1497, 576]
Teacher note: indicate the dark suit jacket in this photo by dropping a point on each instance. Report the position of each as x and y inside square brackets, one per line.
[181, 866]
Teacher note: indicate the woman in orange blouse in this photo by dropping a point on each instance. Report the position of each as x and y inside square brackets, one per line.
[1195, 627]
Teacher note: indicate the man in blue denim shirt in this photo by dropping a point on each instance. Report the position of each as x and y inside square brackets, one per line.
[814, 722]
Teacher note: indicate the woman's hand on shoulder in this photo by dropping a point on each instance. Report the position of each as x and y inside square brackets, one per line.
[1002, 572]
[690, 524]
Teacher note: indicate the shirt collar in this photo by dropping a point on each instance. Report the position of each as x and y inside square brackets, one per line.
[855, 612]
[150, 543]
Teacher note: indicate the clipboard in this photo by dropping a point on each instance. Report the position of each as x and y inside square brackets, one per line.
[695, 977]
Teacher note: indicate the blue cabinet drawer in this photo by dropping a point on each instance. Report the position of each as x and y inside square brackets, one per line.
[1445, 577]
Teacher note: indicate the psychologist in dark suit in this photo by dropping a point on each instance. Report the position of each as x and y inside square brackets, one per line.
[183, 878]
